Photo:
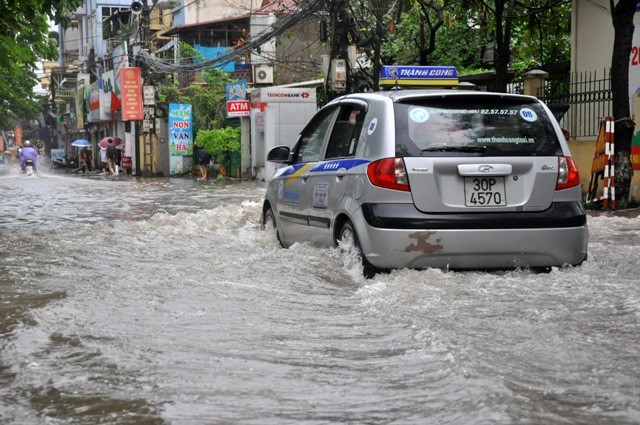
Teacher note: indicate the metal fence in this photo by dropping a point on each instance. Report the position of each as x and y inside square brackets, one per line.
[515, 87]
[579, 101]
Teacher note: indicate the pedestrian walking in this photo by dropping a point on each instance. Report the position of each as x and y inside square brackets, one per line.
[203, 158]
[118, 159]
[111, 156]
[103, 160]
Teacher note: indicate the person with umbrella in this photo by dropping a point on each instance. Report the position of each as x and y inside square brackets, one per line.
[111, 155]
[103, 159]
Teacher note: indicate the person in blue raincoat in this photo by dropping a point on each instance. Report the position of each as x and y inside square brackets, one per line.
[28, 153]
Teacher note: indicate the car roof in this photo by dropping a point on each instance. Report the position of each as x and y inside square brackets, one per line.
[401, 95]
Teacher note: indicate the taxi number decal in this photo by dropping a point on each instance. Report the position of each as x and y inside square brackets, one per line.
[320, 193]
[372, 126]
[528, 114]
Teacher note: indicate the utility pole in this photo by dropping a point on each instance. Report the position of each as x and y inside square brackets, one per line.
[140, 8]
[339, 81]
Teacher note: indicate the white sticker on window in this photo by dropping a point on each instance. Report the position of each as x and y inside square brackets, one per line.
[372, 126]
[419, 115]
[528, 114]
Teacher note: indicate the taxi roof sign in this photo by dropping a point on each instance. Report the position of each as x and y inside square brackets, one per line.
[402, 75]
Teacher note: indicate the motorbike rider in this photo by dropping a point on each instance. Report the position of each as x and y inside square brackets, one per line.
[28, 153]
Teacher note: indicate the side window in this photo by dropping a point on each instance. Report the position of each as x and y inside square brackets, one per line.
[312, 139]
[346, 132]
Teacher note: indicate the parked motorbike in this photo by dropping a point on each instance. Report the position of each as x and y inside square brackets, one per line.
[65, 162]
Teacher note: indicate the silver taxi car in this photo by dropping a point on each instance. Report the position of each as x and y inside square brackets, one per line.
[432, 178]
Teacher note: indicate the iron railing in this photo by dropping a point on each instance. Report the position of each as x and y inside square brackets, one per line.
[515, 87]
[579, 101]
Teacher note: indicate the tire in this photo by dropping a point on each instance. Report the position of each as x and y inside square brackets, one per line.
[269, 224]
[348, 237]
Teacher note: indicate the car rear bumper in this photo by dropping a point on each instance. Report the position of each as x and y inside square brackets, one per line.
[407, 216]
[555, 237]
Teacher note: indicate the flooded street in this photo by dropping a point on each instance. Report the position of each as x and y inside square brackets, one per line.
[160, 301]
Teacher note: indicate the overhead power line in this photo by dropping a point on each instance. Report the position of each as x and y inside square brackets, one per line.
[302, 11]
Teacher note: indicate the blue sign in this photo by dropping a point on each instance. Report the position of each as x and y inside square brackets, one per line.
[392, 75]
[237, 90]
[210, 53]
[180, 129]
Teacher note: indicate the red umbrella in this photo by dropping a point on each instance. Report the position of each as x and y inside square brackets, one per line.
[105, 141]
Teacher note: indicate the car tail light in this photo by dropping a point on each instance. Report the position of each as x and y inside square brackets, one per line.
[568, 175]
[388, 173]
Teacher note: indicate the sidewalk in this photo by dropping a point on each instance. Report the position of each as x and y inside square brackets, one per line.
[628, 212]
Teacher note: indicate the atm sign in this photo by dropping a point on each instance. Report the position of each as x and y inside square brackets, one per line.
[238, 108]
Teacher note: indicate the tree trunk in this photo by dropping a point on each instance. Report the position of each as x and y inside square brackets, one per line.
[504, 19]
[622, 17]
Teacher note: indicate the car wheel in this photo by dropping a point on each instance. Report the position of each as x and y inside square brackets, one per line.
[269, 224]
[349, 238]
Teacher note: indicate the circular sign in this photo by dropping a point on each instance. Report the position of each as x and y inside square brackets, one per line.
[372, 126]
[528, 114]
[419, 115]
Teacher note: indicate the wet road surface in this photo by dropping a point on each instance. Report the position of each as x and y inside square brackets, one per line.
[160, 301]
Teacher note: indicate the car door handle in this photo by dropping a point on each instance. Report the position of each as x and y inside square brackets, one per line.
[341, 173]
[305, 176]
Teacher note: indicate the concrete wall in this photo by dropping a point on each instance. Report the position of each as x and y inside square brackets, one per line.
[591, 48]
[592, 35]
[212, 10]
[583, 152]
[300, 56]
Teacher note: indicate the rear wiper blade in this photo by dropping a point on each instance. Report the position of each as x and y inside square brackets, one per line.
[455, 148]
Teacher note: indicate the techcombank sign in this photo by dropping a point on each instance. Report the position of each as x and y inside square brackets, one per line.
[283, 95]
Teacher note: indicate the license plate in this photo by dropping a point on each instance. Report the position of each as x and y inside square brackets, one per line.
[484, 192]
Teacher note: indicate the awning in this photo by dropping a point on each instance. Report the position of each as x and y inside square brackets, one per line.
[181, 29]
[310, 83]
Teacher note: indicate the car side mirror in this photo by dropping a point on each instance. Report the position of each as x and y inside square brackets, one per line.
[279, 154]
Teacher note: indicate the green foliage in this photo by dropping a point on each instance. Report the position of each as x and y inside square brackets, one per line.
[207, 98]
[207, 95]
[220, 140]
[457, 42]
[24, 40]
[186, 51]
[540, 32]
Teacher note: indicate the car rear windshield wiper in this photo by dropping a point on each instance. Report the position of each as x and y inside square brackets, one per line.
[455, 148]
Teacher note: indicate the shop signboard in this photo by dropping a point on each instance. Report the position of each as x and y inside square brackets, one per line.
[180, 129]
[131, 91]
[237, 103]
[634, 90]
[92, 98]
[120, 60]
[105, 87]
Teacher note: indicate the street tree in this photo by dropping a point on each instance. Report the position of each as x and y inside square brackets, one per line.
[521, 33]
[435, 32]
[206, 94]
[24, 40]
[622, 18]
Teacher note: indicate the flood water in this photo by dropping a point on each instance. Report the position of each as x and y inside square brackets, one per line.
[160, 301]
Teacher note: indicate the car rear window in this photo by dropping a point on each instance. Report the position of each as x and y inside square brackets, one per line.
[474, 125]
